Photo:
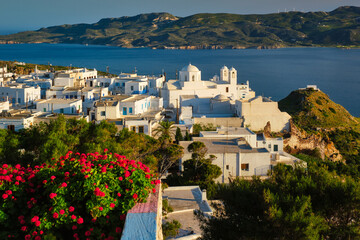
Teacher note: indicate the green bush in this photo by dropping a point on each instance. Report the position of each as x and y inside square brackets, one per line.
[79, 196]
[170, 229]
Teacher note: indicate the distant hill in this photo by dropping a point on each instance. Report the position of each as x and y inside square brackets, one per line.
[312, 109]
[340, 27]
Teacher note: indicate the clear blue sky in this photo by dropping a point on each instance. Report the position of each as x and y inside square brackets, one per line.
[20, 15]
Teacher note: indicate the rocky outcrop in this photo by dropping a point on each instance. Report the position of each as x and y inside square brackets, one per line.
[300, 140]
[267, 130]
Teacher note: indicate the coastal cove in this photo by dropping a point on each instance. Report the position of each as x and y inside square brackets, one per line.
[272, 72]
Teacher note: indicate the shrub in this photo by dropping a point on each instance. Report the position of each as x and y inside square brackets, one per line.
[170, 229]
[79, 196]
[318, 101]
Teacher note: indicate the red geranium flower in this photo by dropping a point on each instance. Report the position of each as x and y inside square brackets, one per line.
[80, 220]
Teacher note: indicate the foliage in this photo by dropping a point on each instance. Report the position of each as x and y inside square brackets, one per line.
[307, 112]
[198, 127]
[166, 208]
[187, 136]
[178, 136]
[294, 203]
[165, 132]
[171, 229]
[168, 157]
[198, 170]
[80, 196]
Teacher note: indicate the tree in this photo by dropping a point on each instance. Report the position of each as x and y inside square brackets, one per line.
[165, 132]
[198, 170]
[178, 135]
[294, 203]
[187, 136]
[168, 157]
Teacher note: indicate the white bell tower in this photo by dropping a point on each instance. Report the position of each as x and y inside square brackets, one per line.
[224, 74]
[233, 76]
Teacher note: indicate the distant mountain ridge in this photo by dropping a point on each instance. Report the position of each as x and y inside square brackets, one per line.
[340, 27]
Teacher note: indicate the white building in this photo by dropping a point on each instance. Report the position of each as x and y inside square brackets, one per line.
[241, 153]
[29, 80]
[4, 106]
[131, 83]
[15, 120]
[102, 82]
[79, 75]
[190, 84]
[66, 106]
[64, 82]
[20, 94]
[257, 111]
[87, 94]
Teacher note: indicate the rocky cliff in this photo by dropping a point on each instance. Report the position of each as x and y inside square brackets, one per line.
[301, 141]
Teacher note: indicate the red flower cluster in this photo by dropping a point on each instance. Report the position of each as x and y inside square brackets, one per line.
[57, 189]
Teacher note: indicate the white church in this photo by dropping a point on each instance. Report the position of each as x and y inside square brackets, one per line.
[203, 96]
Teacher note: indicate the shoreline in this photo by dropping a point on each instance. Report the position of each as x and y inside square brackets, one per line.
[194, 47]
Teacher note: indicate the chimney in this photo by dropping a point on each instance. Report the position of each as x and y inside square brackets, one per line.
[203, 195]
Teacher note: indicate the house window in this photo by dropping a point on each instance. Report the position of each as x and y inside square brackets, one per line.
[133, 129]
[227, 89]
[132, 88]
[130, 110]
[193, 78]
[124, 111]
[141, 129]
[11, 127]
[123, 84]
[245, 167]
[61, 110]
[102, 113]
[276, 148]
[44, 110]
[269, 146]
[227, 167]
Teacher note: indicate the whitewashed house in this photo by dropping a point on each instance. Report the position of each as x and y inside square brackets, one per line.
[65, 106]
[79, 75]
[20, 94]
[241, 153]
[14, 120]
[29, 80]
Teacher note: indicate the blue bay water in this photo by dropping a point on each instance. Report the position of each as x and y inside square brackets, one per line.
[273, 73]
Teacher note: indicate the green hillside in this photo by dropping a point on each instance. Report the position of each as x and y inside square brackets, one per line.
[340, 27]
[312, 109]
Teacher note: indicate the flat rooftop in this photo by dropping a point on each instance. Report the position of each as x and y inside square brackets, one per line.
[219, 145]
[184, 200]
[58, 101]
[228, 131]
[135, 98]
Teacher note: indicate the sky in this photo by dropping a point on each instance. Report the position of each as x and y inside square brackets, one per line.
[21, 15]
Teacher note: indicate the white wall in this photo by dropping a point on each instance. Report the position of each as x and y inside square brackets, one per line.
[67, 108]
[66, 82]
[257, 113]
[19, 95]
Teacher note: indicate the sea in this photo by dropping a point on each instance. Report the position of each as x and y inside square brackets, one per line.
[271, 72]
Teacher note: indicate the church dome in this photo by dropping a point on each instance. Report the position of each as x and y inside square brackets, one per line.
[224, 68]
[232, 69]
[190, 68]
[221, 98]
